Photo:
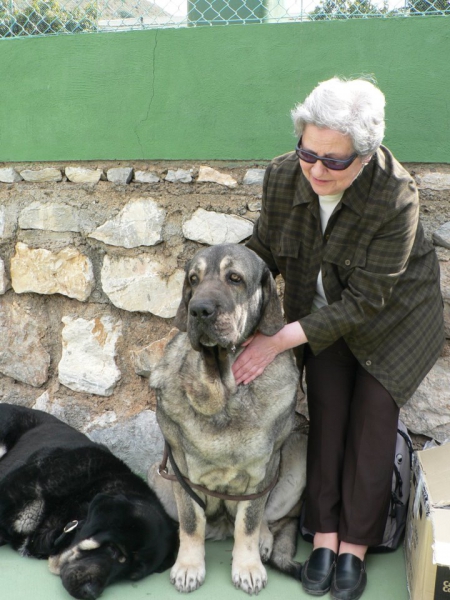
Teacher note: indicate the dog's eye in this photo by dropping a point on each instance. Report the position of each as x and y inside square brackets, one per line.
[235, 278]
[115, 553]
[193, 279]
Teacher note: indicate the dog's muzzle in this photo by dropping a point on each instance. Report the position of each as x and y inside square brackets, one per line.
[202, 309]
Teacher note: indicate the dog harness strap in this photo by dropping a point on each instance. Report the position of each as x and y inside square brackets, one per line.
[187, 484]
[179, 477]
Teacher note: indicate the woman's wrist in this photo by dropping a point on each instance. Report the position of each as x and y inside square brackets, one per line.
[290, 336]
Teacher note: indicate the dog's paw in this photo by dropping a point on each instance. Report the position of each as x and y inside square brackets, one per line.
[187, 577]
[250, 578]
[54, 564]
[265, 543]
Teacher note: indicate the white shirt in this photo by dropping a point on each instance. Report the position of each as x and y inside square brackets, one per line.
[327, 206]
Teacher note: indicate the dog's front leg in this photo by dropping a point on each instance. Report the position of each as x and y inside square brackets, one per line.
[248, 572]
[188, 572]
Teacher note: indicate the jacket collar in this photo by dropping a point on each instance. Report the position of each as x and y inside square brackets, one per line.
[355, 196]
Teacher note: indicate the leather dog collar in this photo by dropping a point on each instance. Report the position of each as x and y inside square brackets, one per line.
[71, 526]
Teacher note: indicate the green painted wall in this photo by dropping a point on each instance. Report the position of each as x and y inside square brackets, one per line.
[215, 92]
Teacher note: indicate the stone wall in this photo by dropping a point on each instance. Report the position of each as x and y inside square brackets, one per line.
[91, 269]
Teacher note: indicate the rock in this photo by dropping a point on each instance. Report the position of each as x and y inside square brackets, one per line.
[53, 408]
[88, 351]
[139, 223]
[254, 206]
[141, 284]
[208, 227]
[67, 272]
[138, 441]
[254, 177]
[9, 175]
[145, 177]
[2, 221]
[82, 175]
[434, 181]
[51, 217]
[5, 284]
[207, 174]
[120, 175]
[107, 418]
[179, 176]
[441, 237]
[8, 222]
[48, 174]
[22, 355]
[428, 411]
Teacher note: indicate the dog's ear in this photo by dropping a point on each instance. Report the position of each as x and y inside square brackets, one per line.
[144, 563]
[181, 318]
[158, 557]
[271, 316]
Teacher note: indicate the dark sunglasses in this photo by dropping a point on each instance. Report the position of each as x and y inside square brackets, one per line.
[330, 163]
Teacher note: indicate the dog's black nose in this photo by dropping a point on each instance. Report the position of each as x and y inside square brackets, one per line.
[88, 591]
[202, 309]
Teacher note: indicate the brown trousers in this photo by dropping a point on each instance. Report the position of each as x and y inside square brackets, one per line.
[351, 447]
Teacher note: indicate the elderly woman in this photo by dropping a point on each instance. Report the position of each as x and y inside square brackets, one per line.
[340, 222]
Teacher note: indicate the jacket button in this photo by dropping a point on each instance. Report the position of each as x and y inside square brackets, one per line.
[368, 363]
[348, 262]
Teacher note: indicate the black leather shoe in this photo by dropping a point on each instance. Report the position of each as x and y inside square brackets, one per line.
[350, 578]
[318, 570]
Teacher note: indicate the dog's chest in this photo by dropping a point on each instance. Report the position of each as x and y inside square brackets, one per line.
[225, 436]
[231, 463]
[231, 450]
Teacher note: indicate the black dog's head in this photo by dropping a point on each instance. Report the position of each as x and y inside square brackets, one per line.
[228, 293]
[121, 538]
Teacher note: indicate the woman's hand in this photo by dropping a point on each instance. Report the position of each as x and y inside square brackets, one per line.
[260, 350]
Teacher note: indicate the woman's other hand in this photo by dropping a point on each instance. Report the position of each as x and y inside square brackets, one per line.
[260, 350]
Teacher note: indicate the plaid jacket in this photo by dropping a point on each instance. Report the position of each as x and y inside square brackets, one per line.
[380, 274]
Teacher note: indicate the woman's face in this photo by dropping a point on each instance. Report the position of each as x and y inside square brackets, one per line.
[331, 144]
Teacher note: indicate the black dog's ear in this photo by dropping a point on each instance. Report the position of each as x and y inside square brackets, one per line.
[156, 559]
[142, 566]
[181, 318]
[271, 316]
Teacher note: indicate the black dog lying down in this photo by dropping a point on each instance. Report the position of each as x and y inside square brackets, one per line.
[65, 497]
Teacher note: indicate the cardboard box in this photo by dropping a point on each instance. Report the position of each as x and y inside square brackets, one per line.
[427, 540]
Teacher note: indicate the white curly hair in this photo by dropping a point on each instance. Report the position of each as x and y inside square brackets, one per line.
[354, 107]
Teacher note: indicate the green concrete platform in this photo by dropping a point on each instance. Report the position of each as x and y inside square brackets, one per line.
[30, 579]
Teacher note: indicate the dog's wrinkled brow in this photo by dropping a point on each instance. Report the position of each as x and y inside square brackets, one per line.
[199, 267]
[89, 544]
[227, 263]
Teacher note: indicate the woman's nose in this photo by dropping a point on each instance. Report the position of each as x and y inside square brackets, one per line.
[318, 169]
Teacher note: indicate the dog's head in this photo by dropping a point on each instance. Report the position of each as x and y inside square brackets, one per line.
[228, 294]
[121, 538]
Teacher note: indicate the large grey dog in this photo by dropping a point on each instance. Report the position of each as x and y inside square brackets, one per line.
[232, 440]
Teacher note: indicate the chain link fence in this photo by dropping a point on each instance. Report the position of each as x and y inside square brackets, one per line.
[50, 17]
